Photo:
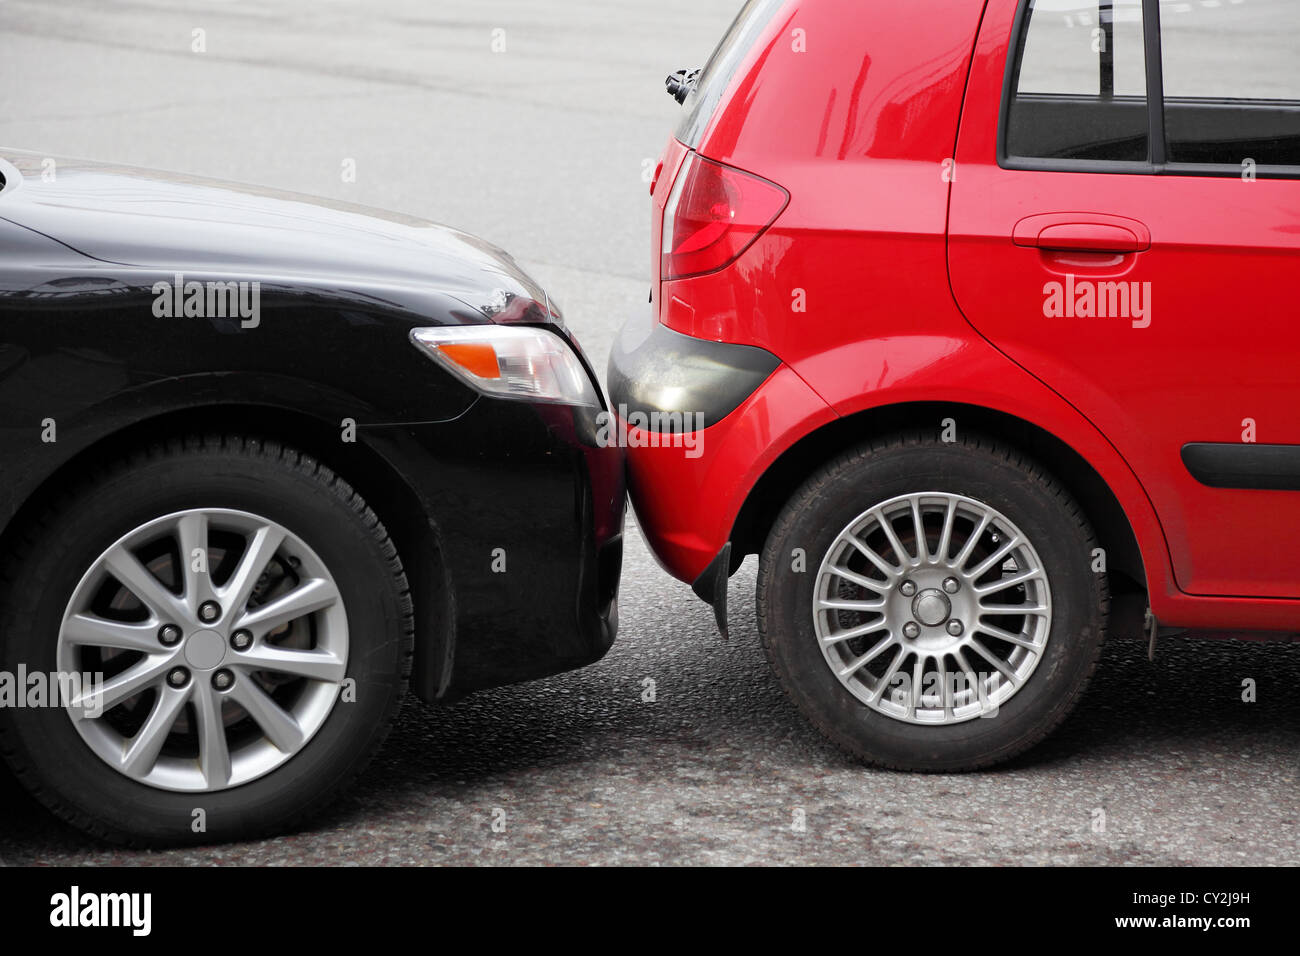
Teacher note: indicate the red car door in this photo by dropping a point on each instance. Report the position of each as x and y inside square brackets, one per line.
[1125, 224]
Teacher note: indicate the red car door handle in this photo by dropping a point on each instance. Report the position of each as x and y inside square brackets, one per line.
[1082, 232]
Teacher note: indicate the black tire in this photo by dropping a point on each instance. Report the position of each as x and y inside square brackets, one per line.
[977, 468]
[47, 753]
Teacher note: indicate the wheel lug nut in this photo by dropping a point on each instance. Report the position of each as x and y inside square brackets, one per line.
[955, 628]
[951, 585]
[222, 679]
[178, 677]
[169, 635]
[907, 589]
[241, 640]
[209, 611]
[910, 630]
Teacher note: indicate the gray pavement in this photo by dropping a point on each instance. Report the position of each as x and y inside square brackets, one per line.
[541, 149]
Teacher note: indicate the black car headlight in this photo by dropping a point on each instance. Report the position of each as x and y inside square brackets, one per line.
[510, 361]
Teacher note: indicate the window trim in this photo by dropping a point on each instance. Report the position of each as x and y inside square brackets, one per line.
[1157, 148]
[1157, 163]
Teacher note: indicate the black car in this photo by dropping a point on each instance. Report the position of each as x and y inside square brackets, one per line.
[264, 460]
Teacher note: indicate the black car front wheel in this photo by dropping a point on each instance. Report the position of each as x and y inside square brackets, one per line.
[932, 605]
[225, 630]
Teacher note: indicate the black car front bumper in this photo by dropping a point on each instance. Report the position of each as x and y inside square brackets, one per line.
[518, 576]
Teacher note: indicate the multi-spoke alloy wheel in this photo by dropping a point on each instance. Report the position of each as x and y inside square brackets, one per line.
[932, 608]
[930, 604]
[231, 631]
[223, 642]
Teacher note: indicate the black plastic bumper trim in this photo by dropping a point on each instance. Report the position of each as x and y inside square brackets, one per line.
[670, 378]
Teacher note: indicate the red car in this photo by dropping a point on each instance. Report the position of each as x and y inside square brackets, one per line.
[974, 319]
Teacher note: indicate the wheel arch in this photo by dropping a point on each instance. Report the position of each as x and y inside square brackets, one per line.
[783, 477]
[404, 514]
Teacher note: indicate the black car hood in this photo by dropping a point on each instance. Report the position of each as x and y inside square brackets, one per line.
[174, 222]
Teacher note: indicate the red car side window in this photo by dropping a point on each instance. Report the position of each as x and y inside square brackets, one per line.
[1153, 86]
[1216, 111]
[1079, 83]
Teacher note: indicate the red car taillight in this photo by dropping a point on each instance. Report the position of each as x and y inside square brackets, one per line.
[715, 213]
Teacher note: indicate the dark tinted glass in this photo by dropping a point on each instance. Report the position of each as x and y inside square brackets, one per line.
[721, 68]
[1079, 90]
[1232, 81]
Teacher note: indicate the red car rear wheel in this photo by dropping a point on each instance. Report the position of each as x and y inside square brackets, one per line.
[931, 605]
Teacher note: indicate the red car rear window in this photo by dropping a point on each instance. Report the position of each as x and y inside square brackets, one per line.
[718, 73]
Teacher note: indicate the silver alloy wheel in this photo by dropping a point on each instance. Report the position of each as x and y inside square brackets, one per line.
[932, 608]
[223, 641]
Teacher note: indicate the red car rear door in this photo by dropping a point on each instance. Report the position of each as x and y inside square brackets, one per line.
[1125, 224]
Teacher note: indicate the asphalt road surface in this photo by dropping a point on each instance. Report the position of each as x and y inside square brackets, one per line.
[541, 148]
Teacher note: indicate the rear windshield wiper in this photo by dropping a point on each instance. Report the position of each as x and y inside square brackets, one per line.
[681, 83]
